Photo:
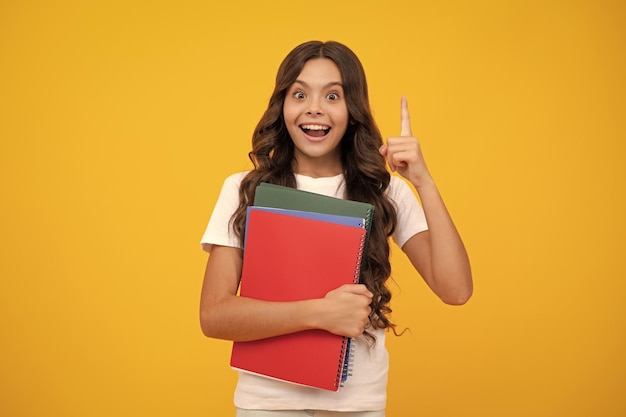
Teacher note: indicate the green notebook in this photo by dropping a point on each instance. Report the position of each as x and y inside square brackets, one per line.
[277, 196]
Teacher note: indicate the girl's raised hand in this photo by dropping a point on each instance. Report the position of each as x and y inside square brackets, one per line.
[403, 153]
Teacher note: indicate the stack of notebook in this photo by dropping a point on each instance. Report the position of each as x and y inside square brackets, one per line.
[300, 245]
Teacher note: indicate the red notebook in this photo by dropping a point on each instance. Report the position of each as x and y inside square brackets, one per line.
[289, 258]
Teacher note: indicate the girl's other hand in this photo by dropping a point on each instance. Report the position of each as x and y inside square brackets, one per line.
[346, 310]
[403, 153]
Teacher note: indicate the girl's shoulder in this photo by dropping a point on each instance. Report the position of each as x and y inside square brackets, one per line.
[233, 181]
[237, 177]
[230, 187]
[398, 189]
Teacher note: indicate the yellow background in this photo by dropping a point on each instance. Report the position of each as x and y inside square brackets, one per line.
[119, 120]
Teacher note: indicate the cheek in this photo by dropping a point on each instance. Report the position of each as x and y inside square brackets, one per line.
[289, 114]
[289, 119]
[342, 117]
[341, 112]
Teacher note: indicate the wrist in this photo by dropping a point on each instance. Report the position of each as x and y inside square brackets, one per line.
[314, 310]
[423, 182]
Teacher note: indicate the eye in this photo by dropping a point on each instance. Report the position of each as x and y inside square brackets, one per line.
[299, 95]
[332, 96]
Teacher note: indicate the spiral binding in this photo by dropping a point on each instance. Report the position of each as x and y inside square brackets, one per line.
[346, 358]
[348, 361]
[363, 248]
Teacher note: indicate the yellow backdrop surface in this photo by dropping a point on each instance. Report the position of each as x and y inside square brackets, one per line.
[120, 119]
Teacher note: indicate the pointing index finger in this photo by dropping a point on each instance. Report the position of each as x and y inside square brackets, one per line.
[405, 119]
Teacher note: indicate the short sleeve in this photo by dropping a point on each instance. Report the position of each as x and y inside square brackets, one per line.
[219, 231]
[410, 215]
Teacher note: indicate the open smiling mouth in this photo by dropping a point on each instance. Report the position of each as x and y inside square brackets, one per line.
[316, 131]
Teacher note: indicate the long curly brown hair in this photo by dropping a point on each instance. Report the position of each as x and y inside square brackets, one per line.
[364, 169]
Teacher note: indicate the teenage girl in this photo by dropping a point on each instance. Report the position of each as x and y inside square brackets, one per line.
[318, 134]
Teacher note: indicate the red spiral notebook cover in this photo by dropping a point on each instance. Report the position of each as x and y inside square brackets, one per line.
[289, 258]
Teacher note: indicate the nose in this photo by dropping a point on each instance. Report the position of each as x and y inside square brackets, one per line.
[314, 107]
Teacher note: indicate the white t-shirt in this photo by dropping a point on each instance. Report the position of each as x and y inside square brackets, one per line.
[365, 389]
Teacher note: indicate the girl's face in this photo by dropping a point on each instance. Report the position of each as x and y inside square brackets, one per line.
[316, 117]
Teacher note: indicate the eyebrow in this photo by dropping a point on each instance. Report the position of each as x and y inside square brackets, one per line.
[330, 84]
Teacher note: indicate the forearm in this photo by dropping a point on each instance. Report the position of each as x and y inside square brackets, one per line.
[450, 272]
[244, 319]
[225, 315]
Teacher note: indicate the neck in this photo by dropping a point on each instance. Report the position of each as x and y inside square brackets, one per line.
[319, 168]
[317, 171]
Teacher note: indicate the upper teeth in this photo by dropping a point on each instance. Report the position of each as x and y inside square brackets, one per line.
[314, 127]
